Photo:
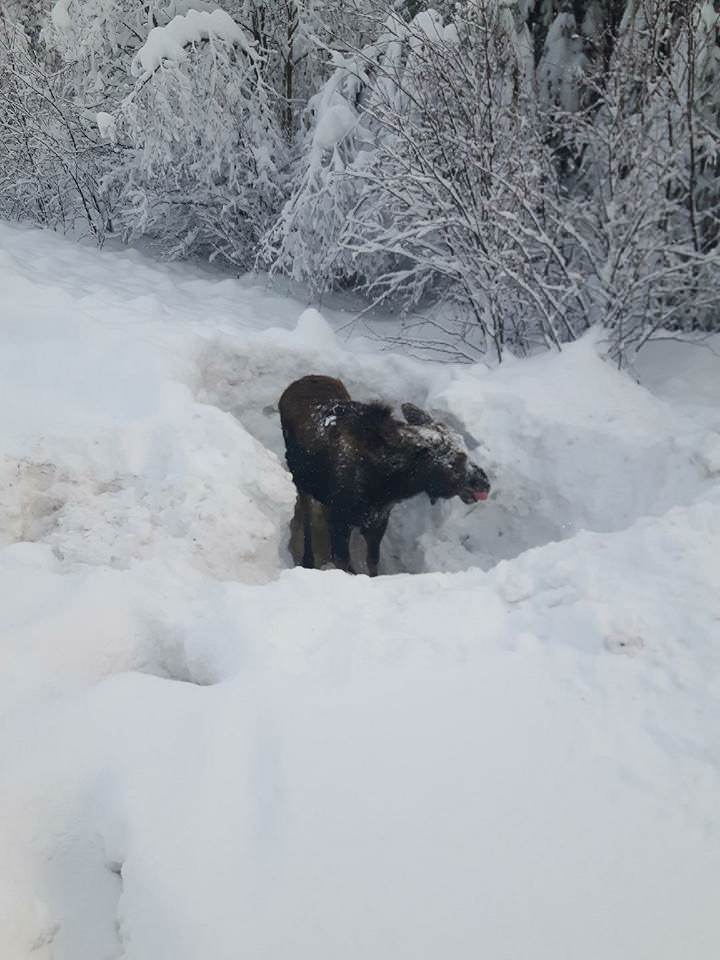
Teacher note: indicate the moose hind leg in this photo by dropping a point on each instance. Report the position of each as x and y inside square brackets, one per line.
[322, 551]
[373, 538]
[297, 534]
[309, 533]
[340, 544]
[301, 543]
[308, 559]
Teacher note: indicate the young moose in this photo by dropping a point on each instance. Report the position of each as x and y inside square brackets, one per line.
[358, 461]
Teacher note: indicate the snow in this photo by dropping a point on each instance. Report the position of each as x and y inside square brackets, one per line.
[170, 42]
[428, 24]
[206, 754]
[106, 125]
[336, 121]
[60, 14]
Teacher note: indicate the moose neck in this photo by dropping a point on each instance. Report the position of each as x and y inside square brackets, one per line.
[403, 474]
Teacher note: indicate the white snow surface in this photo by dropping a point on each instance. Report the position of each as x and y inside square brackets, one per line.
[60, 14]
[205, 754]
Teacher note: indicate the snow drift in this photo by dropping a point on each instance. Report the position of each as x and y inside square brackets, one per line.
[207, 755]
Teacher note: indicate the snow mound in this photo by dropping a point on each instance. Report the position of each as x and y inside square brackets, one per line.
[572, 444]
[336, 121]
[208, 495]
[112, 460]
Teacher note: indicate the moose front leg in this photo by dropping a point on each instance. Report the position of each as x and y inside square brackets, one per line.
[340, 544]
[373, 534]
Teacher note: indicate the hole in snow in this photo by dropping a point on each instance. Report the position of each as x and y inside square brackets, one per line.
[448, 536]
[624, 644]
[175, 657]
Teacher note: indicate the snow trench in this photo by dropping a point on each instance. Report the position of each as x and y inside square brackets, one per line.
[150, 424]
[596, 452]
[202, 473]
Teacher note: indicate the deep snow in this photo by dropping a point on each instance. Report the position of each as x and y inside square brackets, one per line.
[207, 755]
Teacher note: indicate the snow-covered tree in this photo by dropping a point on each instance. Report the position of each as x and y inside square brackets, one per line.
[306, 239]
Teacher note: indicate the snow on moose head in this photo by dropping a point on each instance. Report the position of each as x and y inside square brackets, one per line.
[444, 463]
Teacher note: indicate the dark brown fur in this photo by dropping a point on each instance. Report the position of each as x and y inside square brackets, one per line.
[357, 461]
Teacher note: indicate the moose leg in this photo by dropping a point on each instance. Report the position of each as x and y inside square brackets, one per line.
[321, 535]
[340, 544]
[373, 538]
[297, 533]
[304, 506]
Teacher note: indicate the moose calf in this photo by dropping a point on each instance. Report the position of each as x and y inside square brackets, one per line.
[358, 461]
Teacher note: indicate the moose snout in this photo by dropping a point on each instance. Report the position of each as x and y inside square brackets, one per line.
[477, 486]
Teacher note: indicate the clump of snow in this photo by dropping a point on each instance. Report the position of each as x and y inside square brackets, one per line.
[313, 329]
[429, 24]
[107, 126]
[335, 122]
[170, 42]
[60, 14]
[205, 755]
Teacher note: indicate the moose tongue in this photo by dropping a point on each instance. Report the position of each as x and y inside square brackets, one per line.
[480, 494]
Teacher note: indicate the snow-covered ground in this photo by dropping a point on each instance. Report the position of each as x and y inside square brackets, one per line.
[205, 755]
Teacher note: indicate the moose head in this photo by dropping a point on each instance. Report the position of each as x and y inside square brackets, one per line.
[446, 468]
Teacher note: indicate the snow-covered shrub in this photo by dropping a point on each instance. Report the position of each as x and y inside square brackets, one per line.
[178, 92]
[510, 171]
[305, 240]
[428, 177]
[699, 66]
[97, 40]
[206, 143]
[646, 225]
[443, 166]
[50, 154]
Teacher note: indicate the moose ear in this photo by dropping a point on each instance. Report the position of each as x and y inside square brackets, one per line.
[415, 416]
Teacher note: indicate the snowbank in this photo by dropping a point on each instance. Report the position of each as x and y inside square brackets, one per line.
[207, 755]
[106, 455]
